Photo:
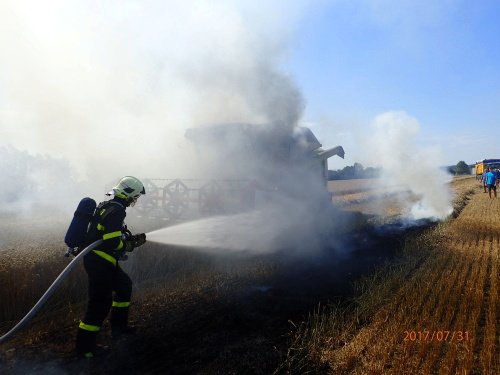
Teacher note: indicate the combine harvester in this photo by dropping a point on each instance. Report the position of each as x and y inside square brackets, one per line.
[245, 164]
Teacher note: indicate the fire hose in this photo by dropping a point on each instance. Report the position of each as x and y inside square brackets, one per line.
[35, 309]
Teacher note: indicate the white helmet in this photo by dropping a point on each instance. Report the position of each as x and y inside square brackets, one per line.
[129, 188]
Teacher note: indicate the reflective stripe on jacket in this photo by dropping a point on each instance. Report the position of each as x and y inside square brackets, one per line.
[108, 226]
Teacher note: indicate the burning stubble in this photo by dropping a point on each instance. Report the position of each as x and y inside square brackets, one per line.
[411, 173]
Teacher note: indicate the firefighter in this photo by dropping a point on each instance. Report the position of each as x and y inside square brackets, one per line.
[104, 273]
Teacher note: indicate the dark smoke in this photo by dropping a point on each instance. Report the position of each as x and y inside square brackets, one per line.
[278, 98]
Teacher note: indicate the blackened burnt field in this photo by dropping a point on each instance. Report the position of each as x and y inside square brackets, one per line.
[195, 313]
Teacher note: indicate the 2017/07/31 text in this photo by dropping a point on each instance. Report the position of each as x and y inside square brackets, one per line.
[431, 336]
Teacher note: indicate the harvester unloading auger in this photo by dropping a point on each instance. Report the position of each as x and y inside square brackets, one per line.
[254, 162]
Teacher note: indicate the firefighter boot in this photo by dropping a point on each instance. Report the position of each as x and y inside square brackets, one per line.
[119, 322]
[85, 343]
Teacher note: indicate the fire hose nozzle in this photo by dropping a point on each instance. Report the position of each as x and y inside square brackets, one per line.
[135, 239]
[138, 239]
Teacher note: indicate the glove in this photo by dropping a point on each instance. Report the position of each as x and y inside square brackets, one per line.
[128, 245]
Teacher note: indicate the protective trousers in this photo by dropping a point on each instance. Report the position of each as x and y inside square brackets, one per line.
[104, 279]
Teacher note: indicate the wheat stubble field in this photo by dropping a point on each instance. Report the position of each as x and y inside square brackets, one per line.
[433, 311]
[422, 301]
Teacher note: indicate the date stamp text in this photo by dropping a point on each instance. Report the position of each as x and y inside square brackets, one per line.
[436, 336]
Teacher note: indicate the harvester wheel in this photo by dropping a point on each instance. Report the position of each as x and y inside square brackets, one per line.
[210, 198]
[175, 199]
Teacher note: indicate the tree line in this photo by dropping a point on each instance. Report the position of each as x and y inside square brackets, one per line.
[461, 168]
[359, 171]
[353, 172]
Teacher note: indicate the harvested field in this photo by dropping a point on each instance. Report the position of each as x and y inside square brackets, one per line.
[433, 311]
[205, 314]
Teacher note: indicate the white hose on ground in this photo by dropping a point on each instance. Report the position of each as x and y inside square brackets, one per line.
[34, 310]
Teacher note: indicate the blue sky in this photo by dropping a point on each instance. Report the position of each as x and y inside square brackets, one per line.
[437, 62]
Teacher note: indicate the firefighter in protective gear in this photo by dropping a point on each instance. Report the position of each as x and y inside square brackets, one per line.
[104, 273]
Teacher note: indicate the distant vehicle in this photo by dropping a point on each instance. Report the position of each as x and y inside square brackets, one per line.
[242, 163]
[481, 166]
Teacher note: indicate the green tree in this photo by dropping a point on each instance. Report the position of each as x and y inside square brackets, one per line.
[462, 168]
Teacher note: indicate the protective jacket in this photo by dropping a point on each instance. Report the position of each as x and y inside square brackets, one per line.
[108, 226]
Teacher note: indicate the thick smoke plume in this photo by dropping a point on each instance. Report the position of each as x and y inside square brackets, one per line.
[91, 91]
[110, 87]
[410, 171]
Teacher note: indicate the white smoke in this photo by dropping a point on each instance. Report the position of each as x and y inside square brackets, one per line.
[111, 86]
[409, 167]
[35, 182]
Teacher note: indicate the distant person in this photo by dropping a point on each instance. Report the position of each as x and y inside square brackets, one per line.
[483, 178]
[104, 273]
[490, 181]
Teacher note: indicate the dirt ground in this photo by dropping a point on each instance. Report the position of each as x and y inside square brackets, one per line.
[225, 322]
